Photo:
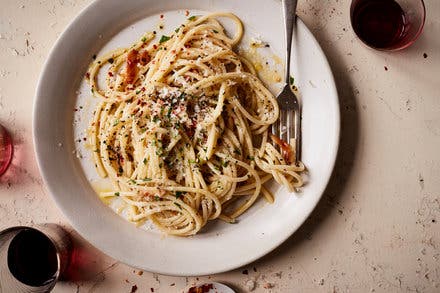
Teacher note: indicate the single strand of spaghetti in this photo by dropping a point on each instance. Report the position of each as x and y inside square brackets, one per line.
[267, 194]
[93, 137]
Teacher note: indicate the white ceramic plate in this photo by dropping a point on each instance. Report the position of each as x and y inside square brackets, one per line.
[220, 247]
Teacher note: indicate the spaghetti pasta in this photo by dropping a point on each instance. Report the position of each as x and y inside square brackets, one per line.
[183, 128]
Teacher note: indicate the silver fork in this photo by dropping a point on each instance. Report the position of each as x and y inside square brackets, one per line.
[289, 124]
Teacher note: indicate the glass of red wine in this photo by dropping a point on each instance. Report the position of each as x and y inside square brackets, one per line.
[32, 259]
[388, 24]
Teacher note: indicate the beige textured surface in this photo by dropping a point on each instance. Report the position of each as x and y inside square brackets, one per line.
[377, 226]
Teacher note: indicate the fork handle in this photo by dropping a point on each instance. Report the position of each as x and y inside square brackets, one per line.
[289, 11]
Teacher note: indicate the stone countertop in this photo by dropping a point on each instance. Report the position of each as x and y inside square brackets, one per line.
[376, 228]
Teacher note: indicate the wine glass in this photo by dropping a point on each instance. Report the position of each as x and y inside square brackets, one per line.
[32, 259]
[5, 149]
[388, 24]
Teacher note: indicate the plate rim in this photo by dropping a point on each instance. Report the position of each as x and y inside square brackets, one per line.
[39, 99]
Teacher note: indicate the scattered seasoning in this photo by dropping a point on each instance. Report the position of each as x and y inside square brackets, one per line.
[173, 284]
[201, 289]
[161, 16]
[255, 269]
[140, 273]
[94, 57]
[111, 60]
[215, 31]
[245, 272]
[152, 289]
[133, 288]
[192, 18]
[425, 55]
[186, 12]
[291, 80]
[178, 205]
[117, 194]
[144, 39]
[163, 39]
[386, 68]
[268, 286]
[177, 30]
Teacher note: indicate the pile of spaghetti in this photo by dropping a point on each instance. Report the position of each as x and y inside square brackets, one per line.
[183, 128]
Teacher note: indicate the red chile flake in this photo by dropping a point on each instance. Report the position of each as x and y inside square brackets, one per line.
[134, 288]
[386, 68]
[201, 289]
[88, 75]
[186, 12]
[145, 58]
[161, 16]
[152, 289]
[425, 55]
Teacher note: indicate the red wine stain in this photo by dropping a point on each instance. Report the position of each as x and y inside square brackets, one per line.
[379, 23]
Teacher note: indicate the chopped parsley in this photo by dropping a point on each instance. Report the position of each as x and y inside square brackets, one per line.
[145, 161]
[144, 39]
[179, 194]
[163, 39]
[117, 194]
[147, 179]
[292, 80]
[192, 18]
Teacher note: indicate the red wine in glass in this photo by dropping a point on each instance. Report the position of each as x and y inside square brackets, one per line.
[387, 24]
[32, 258]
